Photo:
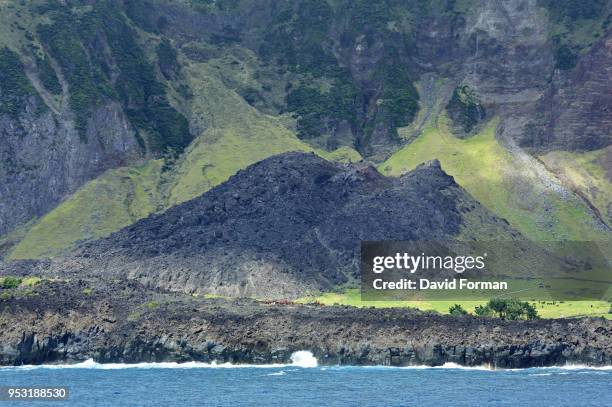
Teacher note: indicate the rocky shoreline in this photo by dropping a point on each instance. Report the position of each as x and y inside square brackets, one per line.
[123, 322]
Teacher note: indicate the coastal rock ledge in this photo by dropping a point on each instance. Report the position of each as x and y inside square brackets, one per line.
[122, 322]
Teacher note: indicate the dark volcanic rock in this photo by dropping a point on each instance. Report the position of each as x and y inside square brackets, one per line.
[122, 322]
[286, 225]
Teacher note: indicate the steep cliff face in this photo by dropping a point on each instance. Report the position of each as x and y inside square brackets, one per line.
[509, 59]
[516, 56]
[575, 113]
[542, 67]
[43, 159]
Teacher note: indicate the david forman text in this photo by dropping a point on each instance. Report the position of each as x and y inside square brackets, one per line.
[425, 284]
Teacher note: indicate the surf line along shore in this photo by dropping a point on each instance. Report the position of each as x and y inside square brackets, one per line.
[425, 284]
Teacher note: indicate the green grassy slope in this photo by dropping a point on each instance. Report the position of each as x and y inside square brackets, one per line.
[588, 174]
[548, 309]
[116, 199]
[236, 135]
[17, 19]
[512, 187]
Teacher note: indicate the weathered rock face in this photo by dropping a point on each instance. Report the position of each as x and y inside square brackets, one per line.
[505, 51]
[575, 113]
[501, 48]
[122, 322]
[43, 159]
[508, 60]
[284, 226]
[507, 56]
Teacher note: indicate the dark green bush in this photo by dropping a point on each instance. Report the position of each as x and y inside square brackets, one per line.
[167, 59]
[465, 109]
[15, 87]
[10, 282]
[47, 76]
[456, 310]
[484, 311]
[565, 58]
[400, 99]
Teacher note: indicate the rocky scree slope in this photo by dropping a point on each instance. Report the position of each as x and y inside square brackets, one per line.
[122, 322]
[283, 227]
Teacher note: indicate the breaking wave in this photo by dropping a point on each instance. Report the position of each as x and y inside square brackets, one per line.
[303, 358]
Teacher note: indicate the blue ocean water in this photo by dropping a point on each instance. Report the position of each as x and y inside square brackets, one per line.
[195, 384]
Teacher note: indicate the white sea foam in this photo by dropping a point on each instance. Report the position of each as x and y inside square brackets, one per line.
[447, 365]
[299, 359]
[90, 364]
[450, 365]
[584, 367]
[281, 373]
[491, 368]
